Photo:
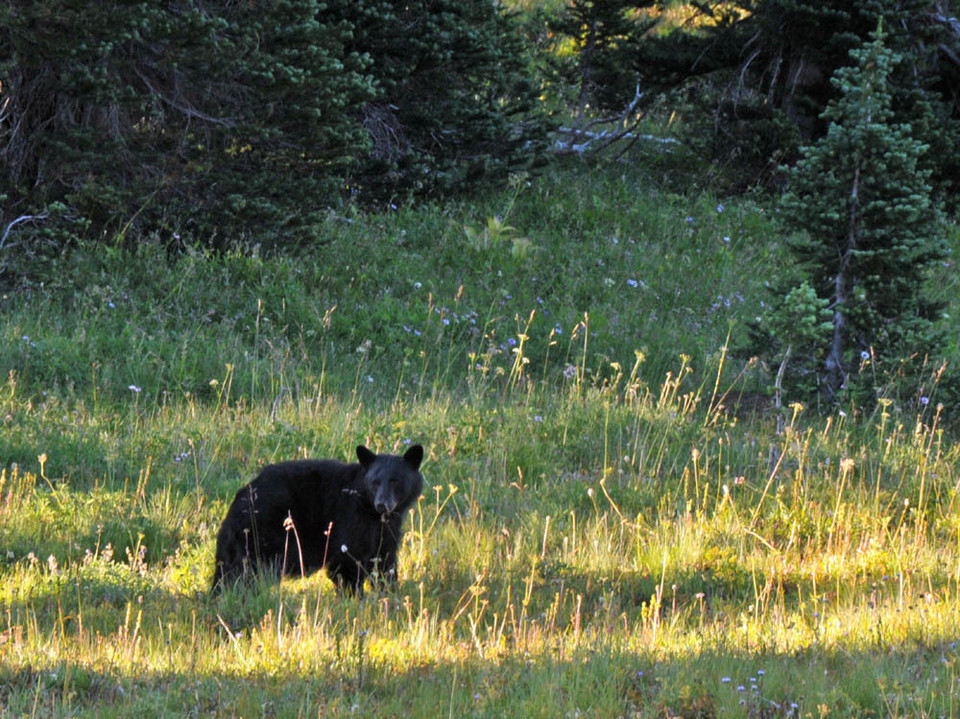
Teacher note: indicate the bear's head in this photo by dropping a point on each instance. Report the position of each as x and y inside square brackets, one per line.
[392, 482]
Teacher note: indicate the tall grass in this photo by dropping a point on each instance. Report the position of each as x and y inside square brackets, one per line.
[615, 523]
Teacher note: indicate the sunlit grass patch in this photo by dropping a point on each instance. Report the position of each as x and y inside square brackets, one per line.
[617, 518]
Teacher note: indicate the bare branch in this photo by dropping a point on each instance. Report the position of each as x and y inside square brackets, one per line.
[22, 218]
[188, 111]
[949, 53]
[581, 138]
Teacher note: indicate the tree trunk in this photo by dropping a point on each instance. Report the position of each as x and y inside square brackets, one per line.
[586, 69]
[836, 374]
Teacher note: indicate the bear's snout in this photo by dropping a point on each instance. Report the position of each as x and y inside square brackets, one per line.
[385, 506]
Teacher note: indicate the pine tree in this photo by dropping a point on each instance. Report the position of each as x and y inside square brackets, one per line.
[455, 105]
[869, 231]
[605, 36]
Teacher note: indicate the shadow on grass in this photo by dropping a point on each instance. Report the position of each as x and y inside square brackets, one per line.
[608, 680]
[106, 637]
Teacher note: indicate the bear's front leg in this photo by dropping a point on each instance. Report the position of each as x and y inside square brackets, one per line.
[384, 572]
[349, 578]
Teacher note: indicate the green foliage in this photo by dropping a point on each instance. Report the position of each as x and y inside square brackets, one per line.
[870, 231]
[595, 53]
[412, 284]
[798, 325]
[189, 120]
[496, 232]
[455, 106]
[750, 80]
[248, 122]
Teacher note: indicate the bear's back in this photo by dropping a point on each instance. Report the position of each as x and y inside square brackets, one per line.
[305, 474]
[315, 492]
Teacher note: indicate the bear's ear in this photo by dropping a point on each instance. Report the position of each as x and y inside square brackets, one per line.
[414, 456]
[365, 456]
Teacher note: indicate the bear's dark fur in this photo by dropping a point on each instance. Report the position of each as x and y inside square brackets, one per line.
[348, 518]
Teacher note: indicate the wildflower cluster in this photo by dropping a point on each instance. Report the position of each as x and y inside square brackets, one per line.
[750, 695]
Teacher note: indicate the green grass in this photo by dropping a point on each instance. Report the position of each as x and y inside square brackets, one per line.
[612, 523]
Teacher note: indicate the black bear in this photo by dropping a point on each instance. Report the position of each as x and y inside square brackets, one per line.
[347, 518]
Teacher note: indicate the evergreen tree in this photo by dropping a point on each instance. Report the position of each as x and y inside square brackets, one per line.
[455, 104]
[868, 235]
[247, 120]
[605, 36]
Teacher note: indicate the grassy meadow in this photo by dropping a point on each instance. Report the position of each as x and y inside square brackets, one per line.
[617, 520]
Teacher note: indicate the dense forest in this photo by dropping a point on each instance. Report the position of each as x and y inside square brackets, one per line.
[229, 120]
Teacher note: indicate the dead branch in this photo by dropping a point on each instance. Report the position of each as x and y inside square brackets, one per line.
[386, 131]
[580, 140]
[22, 218]
[190, 112]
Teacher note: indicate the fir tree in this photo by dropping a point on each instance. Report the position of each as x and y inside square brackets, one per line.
[605, 35]
[868, 232]
[455, 105]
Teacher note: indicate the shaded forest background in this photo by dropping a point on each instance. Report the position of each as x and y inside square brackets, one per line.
[217, 122]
